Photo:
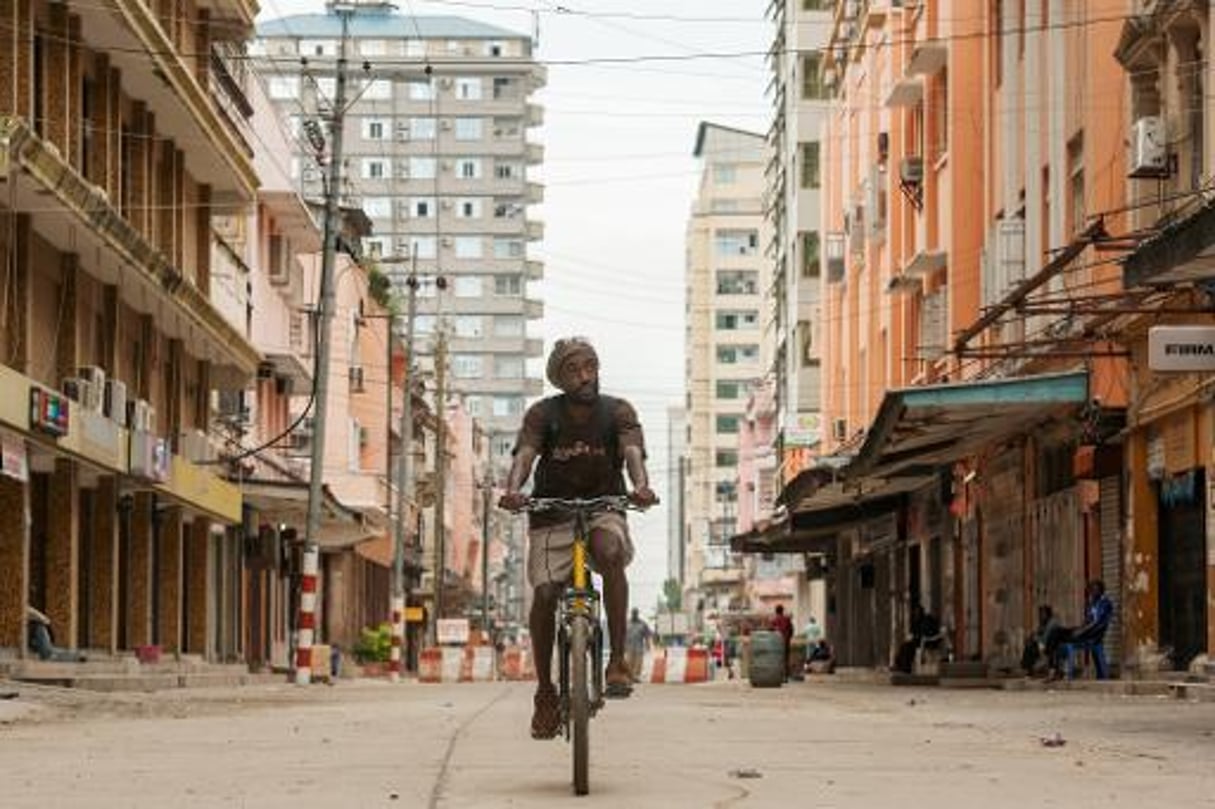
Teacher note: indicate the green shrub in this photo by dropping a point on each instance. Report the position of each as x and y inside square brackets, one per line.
[375, 645]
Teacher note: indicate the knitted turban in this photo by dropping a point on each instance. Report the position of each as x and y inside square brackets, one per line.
[562, 350]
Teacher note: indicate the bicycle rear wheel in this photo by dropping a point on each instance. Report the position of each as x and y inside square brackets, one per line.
[580, 703]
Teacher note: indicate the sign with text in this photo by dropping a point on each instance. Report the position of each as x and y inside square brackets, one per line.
[1182, 349]
[453, 631]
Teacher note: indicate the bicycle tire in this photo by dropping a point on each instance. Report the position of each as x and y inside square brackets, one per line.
[580, 704]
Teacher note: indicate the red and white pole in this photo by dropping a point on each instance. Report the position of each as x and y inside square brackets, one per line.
[306, 634]
[398, 638]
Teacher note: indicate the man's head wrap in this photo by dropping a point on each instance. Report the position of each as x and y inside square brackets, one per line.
[562, 350]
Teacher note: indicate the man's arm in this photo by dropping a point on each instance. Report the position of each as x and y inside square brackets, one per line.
[632, 444]
[520, 470]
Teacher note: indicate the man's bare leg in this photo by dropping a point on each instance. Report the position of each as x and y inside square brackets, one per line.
[609, 559]
[543, 626]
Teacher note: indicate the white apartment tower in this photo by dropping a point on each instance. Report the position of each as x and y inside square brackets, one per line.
[435, 153]
[800, 99]
[727, 274]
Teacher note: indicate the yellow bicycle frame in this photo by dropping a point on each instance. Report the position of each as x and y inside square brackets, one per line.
[581, 585]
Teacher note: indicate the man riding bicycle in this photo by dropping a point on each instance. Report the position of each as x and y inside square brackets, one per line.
[582, 441]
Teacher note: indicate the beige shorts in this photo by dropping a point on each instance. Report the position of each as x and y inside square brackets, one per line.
[550, 550]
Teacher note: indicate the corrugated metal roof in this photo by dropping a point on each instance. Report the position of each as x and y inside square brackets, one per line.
[382, 25]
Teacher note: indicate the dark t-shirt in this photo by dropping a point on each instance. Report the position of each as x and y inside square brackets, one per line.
[581, 448]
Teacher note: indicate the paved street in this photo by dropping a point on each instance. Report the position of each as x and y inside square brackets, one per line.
[369, 744]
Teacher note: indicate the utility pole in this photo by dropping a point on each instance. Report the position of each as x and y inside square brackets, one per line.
[440, 479]
[404, 484]
[489, 494]
[306, 626]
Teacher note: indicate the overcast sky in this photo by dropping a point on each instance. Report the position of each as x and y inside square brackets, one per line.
[620, 179]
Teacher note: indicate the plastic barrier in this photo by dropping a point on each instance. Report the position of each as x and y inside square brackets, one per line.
[676, 664]
[456, 664]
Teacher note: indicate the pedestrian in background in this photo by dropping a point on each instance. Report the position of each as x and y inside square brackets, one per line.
[637, 639]
[781, 623]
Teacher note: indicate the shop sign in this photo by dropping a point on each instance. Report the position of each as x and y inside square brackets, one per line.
[14, 461]
[48, 412]
[414, 615]
[1182, 349]
[805, 430]
[97, 438]
[452, 631]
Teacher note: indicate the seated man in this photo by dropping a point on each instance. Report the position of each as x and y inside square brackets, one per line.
[925, 633]
[1043, 645]
[42, 642]
[1098, 613]
[821, 659]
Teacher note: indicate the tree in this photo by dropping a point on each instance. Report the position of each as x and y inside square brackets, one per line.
[672, 594]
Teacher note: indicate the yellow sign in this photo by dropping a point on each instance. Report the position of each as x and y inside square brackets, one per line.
[414, 615]
[201, 489]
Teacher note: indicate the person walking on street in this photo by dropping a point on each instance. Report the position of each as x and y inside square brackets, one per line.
[581, 443]
[637, 639]
[784, 625]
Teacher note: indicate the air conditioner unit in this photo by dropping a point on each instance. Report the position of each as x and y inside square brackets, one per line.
[1149, 148]
[446, 82]
[79, 391]
[446, 204]
[92, 374]
[839, 429]
[194, 446]
[115, 406]
[447, 241]
[445, 125]
[911, 170]
[137, 415]
[299, 442]
[356, 379]
[403, 248]
[445, 165]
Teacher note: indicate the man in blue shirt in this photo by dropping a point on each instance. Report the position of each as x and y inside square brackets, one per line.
[1098, 613]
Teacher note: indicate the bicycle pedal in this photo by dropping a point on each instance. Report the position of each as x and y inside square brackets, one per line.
[618, 691]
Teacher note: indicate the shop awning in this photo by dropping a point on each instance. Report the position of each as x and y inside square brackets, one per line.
[1184, 251]
[917, 430]
[286, 501]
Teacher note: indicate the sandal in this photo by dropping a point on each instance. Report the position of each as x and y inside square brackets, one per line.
[546, 718]
[619, 680]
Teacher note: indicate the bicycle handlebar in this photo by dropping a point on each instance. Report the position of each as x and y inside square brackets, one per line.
[587, 505]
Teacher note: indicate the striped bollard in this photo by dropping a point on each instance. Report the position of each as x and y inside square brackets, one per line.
[307, 625]
[398, 638]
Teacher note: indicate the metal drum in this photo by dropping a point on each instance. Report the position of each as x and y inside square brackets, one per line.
[767, 668]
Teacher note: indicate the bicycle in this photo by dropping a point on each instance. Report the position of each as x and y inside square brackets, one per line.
[580, 632]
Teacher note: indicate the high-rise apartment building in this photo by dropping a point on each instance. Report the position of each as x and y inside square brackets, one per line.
[435, 153]
[726, 277]
[800, 101]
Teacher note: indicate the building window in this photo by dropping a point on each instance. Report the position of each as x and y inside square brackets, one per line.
[733, 321]
[425, 247]
[374, 129]
[318, 47]
[725, 173]
[813, 86]
[377, 207]
[810, 255]
[467, 366]
[422, 128]
[507, 171]
[469, 169]
[508, 326]
[469, 128]
[1075, 184]
[374, 168]
[373, 47]
[508, 406]
[468, 89]
[508, 285]
[468, 247]
[468, 286]
[504, 87]
[726, 458]
[810, 169]
[509, 248]
[728, 423]
[422, 168]
[468, 208]
[736, 242]
[470, 326]
[424, 324]
[421, 91]
[732, 354]
[730, 389]
[737, 282]
[422, 207]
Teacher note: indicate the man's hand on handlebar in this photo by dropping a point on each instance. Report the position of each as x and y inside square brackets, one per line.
[513, 501]
[644, 496]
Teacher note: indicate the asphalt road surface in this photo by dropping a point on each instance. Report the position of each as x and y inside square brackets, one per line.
[371, 744]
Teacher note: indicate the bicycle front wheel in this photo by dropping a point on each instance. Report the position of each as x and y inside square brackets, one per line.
[580, 703]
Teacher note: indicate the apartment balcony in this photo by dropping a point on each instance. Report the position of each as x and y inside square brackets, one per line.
[534, 193]
[74, 215]
[533, 310]
[533, 269]
[156, 73]
[534, 115]
[539, 77]
[535, 153]
[534, 230]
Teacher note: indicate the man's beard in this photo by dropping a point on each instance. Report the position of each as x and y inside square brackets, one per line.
[586, 394]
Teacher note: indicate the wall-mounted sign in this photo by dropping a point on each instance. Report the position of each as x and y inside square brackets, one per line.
[1183, 349]
[48, 412]
[14, 461]
[452, 631]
